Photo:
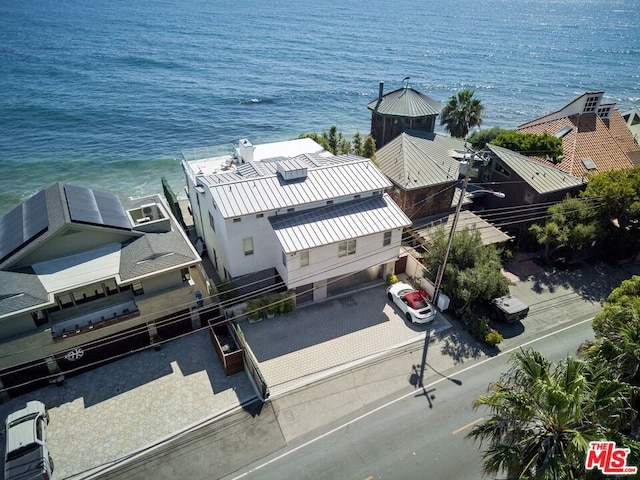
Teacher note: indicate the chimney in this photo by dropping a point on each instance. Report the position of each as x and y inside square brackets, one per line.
[380, 90]
[245, 150]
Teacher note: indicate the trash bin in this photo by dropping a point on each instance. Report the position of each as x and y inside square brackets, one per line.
[199, 300]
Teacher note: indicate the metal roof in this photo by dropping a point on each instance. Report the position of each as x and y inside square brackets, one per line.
[235, 195]
[419, 159]
[338, 222]
[542, 178]
[406, 102]
[467, 220]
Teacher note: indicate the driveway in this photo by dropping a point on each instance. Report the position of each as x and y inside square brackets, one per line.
[106, 413]
[322, 338]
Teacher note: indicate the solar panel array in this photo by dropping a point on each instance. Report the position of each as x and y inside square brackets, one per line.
[96, 208]
[23, 224]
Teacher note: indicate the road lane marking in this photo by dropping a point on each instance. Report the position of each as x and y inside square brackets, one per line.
[399, 399]
[470, 424]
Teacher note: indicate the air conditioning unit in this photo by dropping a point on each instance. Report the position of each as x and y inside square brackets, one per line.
[147, 210]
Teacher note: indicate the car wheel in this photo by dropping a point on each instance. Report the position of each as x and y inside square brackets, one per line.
[46, 417]
[409, 317]
[389, 296]
[51, 463]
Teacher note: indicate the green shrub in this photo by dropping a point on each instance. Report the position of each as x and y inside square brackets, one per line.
[391, 279]
[493, 338]
[256, 308]
[226, 290]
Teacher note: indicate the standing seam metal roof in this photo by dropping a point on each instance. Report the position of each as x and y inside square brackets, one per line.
[543, 178]
[418, 159]
[336, 223]
[271, 192]
[406, 102]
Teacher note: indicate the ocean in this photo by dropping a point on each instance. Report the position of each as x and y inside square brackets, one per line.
[107, 94]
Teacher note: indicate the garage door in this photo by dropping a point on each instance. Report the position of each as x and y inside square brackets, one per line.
[345, 283]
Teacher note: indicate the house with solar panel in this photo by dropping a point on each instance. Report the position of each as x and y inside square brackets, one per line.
[595, 136]
[78, 266]
[317, 222]
[402, 109]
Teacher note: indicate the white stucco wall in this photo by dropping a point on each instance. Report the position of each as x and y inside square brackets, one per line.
[324, 262]
[167, 280]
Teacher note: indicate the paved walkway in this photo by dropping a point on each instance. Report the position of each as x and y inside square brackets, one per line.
[328, 336]
[106, 413]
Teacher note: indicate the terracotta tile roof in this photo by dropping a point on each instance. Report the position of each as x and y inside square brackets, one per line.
[605, 142]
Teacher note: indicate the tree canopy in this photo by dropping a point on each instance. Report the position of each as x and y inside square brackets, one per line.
[619, 193]
[473, 270]
[543, 417]
[334, 142]
[544, 145]
[480, 138]
[617, 330]
[461, 113]
[570, 222]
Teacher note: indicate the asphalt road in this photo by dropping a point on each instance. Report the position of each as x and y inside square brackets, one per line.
[418, 435]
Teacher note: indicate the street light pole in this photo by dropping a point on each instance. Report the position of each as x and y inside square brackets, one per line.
[465, 167]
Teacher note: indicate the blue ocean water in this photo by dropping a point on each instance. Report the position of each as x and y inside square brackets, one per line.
[107, 94]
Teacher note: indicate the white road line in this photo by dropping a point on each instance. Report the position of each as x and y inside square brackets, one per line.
[392, 402]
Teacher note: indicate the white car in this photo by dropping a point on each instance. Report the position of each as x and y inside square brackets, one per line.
[27, 455]
[413, 303]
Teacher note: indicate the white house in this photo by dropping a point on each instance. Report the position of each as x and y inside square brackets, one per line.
[320, 221]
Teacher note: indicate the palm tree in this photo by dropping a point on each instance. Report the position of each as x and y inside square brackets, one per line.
[543, 417]
[461, 113]
[617, 341]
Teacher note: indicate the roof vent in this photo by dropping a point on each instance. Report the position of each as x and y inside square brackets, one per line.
[291, 169]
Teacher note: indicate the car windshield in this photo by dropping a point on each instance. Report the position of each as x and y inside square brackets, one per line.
[19, 452]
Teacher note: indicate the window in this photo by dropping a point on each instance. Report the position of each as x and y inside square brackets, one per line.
[304, 258]
[590, 104]
[284, 259]
[236, 220]
[260, 215]
[211, 222]
[346, 248]
[386, 239]
[247, 245]
[289, 210]
[501, 170]
[329, 202]
[528, 197]
[356, 196]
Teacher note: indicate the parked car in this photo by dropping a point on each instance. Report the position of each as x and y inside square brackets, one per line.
[508, 309]
[26, 454]
[412, 302]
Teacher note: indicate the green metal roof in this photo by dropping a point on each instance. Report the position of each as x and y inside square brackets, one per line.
[405, 102]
